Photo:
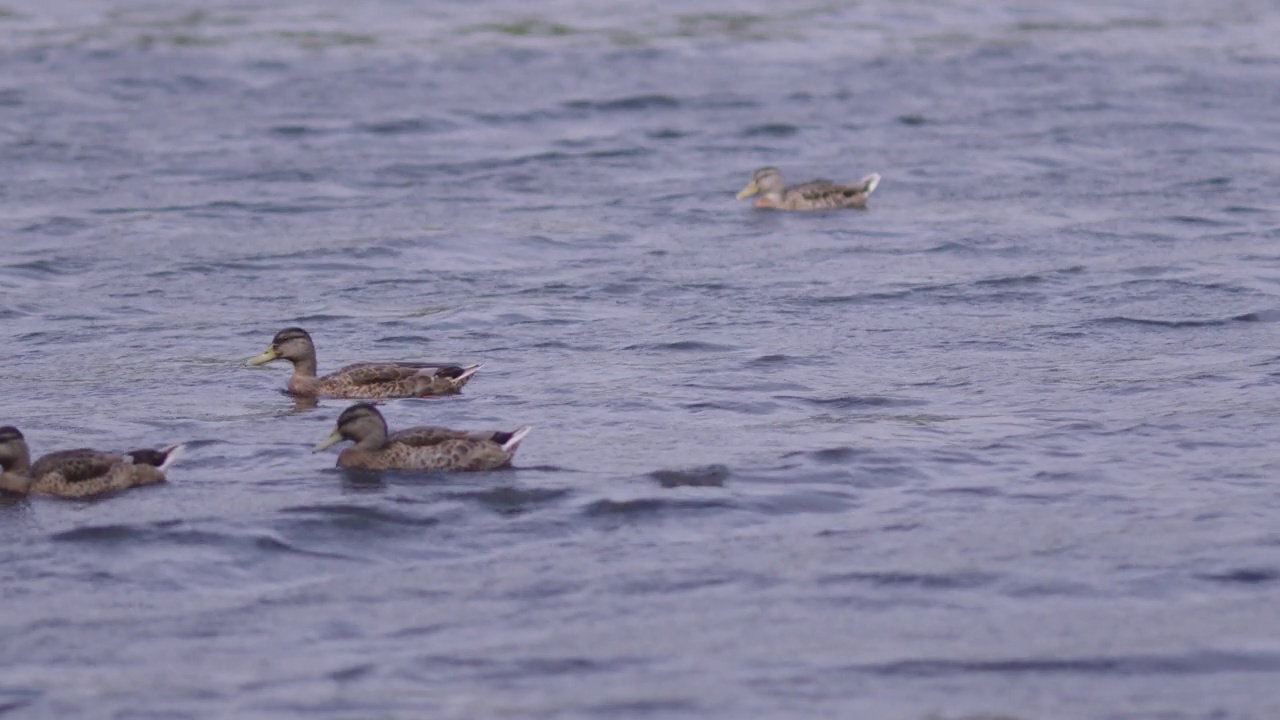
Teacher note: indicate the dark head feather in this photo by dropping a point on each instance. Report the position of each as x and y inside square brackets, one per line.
[357, 411]
[9, 432]
[290, 333]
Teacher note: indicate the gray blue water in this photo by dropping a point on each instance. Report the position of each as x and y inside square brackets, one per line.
[1003, 445]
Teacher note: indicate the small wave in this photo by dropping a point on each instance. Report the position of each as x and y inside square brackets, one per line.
[57, 225]
[858, 298]
[846, 402]
[36, 268]
[1127, 665]
[683, 346]
[1010, 281]
[17, 698]
[178, 533]
[102, 533]
[638, 102]
[413, 339]
[829, 456]
[512, 500]
[647, 708]
[1155, 322]
[1245, 576]
[1197, 220]
[352, 672]
[1259, 316]
[705, 476]
[319, 318]
[552, 666]
[748, 408]
[926, 581]
[667, 134]
[406, 126]
[771, 130]
[282, 175]
[353, 517]
[297, 130]
[220, 208]
[775, 360]
[649, 506]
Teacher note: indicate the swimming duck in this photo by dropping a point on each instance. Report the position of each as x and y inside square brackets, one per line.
[77, 473]
[813, 195]
[361, 380]
[418, 448]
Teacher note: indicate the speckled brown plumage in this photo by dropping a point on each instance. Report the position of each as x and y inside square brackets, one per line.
[77, 473]
[813, 195]
[368, 380]
[418, 448]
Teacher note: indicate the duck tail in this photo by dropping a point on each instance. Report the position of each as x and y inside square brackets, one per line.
[870, 183]
[171, 453]
[161, 458]
[513, 442]
[467, 372]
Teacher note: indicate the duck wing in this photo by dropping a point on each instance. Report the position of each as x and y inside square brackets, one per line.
[374, 373]
[815, 189]
[424, 436]
[79, 465]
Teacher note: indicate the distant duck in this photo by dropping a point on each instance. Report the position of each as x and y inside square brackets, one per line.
[813, 195]
[77, 473]
[418, 448]
[361, 380]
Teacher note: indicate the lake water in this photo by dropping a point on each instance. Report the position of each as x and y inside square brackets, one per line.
[1001, 446]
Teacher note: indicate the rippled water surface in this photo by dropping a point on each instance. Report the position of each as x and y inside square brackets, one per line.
[1003, 445]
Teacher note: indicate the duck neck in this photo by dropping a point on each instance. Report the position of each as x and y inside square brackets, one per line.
[15, 471]
[14, 483]
[375, 440]
[305, 366]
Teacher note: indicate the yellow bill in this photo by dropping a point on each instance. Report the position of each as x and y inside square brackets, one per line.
[748, 191]
[264, 358]
[334, 438]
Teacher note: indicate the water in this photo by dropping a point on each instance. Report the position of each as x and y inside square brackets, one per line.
[1000, 446]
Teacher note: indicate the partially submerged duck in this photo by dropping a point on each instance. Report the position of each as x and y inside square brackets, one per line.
[418, 448]
[813, 195]
[361, 380]
[77, 473]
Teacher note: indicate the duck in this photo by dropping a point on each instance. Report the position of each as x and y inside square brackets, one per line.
[79, 473]
[366, 380]
[813, 195]
[418, 448]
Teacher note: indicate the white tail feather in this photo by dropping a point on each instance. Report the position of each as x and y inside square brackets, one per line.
[870, 182]
[511, 445]
[171, 453]
[468, 371]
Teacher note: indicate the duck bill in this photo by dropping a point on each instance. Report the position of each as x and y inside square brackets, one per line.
[748, 191]
[334, 438]
[264, 358]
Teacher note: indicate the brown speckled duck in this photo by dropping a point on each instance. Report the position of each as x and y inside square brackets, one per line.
[362, 380]
[77, 473]
[418, 448]
[813, 195]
